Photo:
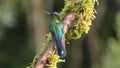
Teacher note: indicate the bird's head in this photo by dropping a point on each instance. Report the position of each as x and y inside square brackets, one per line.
[54, 15]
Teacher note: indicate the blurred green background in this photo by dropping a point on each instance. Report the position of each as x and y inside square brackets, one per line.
[23, 28]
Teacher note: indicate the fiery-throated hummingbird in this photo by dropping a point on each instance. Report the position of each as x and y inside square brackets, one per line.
[56, 29]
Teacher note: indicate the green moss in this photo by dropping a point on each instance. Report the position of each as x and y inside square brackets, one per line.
[53, 59]
[45, 44]
[84, 10]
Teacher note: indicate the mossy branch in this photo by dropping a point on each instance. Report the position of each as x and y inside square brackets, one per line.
[77, 17]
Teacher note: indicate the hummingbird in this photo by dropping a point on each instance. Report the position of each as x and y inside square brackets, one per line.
[56, 29]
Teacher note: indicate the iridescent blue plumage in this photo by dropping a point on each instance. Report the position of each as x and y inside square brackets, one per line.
[56, 29]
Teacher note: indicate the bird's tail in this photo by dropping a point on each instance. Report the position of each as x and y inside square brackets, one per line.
[61, 48]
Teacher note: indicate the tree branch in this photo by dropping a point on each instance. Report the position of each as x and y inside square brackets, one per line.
[41, 62]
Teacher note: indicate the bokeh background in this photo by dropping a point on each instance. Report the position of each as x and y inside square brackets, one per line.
[23, 27]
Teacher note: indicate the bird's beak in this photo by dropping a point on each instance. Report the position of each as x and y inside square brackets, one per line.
[47, 12]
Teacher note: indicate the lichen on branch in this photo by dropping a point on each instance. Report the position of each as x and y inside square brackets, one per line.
[77, 17]
[84, 10]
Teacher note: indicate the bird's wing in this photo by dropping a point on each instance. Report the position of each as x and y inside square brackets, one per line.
[58, 37]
